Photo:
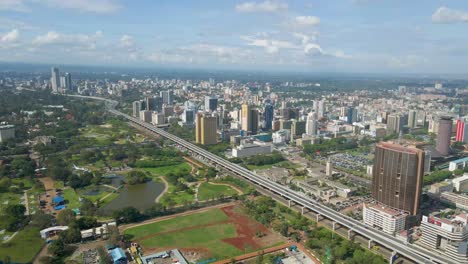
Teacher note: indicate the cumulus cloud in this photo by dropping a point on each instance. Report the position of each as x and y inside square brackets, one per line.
[56, 38]
[266, 7]
[10, 37]
[127, 41]
[447, 15]
[307, 20]
[270, 45]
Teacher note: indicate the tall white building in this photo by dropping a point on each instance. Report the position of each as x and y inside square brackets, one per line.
[6, 132]
[55, 79]
[311, 124]
[385, 218]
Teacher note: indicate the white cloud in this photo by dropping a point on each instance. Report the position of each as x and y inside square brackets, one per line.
[307, 20]
[10, 37]
[91, 6]
[266, 7]
[13, 5]
[270, 45]
[7, 23]
[447, 15]
[127, 41]
[72, 40]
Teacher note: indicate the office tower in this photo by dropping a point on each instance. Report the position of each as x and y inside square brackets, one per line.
[316, 106]
[146, 116]
[62, 83]
[254, 121]
[394, 124]
[321, 109]
[397, 176]
[329, 168]
[154, 103]
[269, 115]
[158, 118]
[211, 103]
[246, 117]
[351, 115]
[167, 110]
[438, 85]
[298, 128]
[205, 129]
[188, 116]
[443, 135]
[412, 121]
[462, 131]
[137, 107]
[166, 97]
[312, 124]
[68, 82]
[55, 79]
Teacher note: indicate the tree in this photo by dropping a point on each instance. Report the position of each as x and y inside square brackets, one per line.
[41, 220]
[66, 217]
[86, 222]
[57, 248]
[127, 215]
[72, 235]
[458, 172]
[15, 210]
[114, 235]
[87, 207]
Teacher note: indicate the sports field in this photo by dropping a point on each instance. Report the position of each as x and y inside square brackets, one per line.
[220, 233]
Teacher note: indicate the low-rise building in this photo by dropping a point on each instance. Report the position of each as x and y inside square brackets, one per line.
[461, 183]
[7, 132]
[440, 187]
[385, 218]
[448, 237]
[458, 164]
[459, 200]
[250, 149]
[279, 175]
[313, 188]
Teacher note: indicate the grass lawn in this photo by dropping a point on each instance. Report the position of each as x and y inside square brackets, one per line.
[72, 197]
[209, 238]
[108, 199]
[208, 217]
[23, 247]
[178, 198]
[162, 171]
[208, 191]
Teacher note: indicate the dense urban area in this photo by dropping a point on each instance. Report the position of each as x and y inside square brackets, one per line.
[90, 171]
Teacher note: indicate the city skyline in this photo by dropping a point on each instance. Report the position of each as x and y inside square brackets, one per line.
[307, 36]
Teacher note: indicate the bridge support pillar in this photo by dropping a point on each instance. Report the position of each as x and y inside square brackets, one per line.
[334, 224]
[289, 203]
[393, 257]
[350, 234]
[302, 210]
[370, 243]
[317, 218]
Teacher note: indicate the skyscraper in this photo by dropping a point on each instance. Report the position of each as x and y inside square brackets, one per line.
[269, 115]
[311, 124]
[351, 115]
[462, 131]
[55, 79]
[321, 108]
[395, 123]
[397, 176]
[211, 103]
[443, 135]
[205, 129]
[166, 97]
[298, 128]
[412, 120]
[154, 103]
[68, 82]
[246, 116]
[137, 107]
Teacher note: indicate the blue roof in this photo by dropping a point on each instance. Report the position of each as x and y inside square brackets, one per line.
[57, 199]
[59, 207]
[461, 160]
[117, 254]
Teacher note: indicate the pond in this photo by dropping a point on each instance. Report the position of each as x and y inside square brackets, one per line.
[140, 196]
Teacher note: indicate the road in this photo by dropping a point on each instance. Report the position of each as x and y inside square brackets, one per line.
[412, 252]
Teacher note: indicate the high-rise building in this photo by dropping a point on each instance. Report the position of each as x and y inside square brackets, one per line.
[7, 132]
[154, 103]
[269, 115]
[205, 129]
[68, 82]
[312, 124]
[461, 134]
[412, 121]
[387, 219]
[62, 83]
[158, 118]
[395, 123]
[137, 107]
[351, 115]
[443, 135]
[167, 97]
[321, 108]
[211, 103]
[55, 79]
[298, 128]
[397, 176]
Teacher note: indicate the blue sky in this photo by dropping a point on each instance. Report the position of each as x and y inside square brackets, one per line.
[394, 36]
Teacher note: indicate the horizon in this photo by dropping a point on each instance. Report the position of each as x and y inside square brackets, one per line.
[349, 36]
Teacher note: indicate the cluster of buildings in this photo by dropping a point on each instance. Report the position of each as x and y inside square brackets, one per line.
[61, 83]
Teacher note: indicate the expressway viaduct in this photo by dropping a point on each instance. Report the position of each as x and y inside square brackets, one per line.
[343, 224]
